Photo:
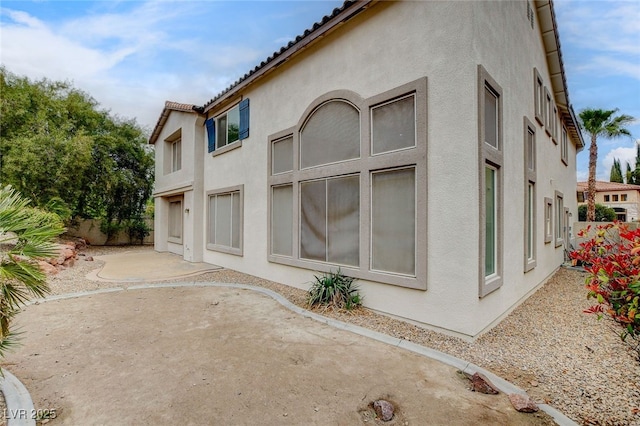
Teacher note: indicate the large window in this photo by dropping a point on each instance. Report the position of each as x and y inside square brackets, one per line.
[225, 220]
[175, 220]
[530, 195]
[490, 167]
[346, 184]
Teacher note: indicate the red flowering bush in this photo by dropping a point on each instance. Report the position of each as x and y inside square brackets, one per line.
[611, 256]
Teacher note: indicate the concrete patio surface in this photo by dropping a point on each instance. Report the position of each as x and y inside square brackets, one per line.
[148, 265]
[215, 355]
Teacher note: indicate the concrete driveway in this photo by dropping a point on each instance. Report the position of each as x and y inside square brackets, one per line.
[215, 355]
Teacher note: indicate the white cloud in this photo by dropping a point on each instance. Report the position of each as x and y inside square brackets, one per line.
[626, 155]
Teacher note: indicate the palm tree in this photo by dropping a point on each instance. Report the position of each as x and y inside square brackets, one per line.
[26, 235]
[598, 122]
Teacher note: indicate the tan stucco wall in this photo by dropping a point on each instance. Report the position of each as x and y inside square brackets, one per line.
[388, 46]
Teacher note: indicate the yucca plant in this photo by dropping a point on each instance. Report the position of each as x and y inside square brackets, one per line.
[334, 289]
[26, 235]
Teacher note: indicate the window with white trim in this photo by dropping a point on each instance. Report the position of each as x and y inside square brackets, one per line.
[176, 155]
[491, 192]
[226, 131]
[347, 150]
[175, 220]
[559, 219]
[548, 111]
[548, 217]
[225, 220]
[530, 195]
[538, 91]
[564, 147]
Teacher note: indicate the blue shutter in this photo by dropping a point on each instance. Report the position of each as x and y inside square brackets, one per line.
[211, 134]
[244, 119]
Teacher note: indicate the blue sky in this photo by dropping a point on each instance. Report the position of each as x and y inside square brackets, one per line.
[131, 56]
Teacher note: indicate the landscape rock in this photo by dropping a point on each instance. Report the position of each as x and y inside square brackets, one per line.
[89, 259]
[384, 410]
[522, 403]
[479, 383]
[69, 262]
[47, 268]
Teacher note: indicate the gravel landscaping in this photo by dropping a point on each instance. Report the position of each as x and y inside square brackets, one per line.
[546, 346]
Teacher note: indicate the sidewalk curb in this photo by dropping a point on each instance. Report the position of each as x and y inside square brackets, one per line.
[20, 410]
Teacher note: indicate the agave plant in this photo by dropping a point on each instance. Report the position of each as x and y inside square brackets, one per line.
[26, 235]
[334, 289]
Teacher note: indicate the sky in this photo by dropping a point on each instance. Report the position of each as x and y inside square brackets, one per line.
[133, 55]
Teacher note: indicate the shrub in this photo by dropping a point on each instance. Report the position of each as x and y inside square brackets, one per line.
[603, 213]
[137, 230]
[611, 256]
[26, 235]
[334, 289]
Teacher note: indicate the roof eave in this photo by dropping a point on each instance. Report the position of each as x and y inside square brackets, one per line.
[551, 41]
[164, 116]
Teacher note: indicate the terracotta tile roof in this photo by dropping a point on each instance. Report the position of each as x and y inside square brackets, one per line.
[168, 107]
[602, 186]
[177, 106]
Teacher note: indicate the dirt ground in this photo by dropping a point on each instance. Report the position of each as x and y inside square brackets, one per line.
[193, 356]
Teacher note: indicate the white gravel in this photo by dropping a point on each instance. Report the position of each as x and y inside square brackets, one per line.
[546, 346]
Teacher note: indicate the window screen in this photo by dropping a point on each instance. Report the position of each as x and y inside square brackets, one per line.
[330, 220]
[282, 156]
[393, 215]
[331, 134]
[394, 125]
[282, 220]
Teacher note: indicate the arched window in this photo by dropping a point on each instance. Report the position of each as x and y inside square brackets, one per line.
[330, 134]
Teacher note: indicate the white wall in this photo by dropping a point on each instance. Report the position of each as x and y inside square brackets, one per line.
[388, 46]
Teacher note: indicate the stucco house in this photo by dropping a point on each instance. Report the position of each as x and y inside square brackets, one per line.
[426, 148]
[624, 198]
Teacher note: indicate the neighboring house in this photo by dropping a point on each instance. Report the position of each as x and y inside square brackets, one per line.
[621, 197]
[426, 148]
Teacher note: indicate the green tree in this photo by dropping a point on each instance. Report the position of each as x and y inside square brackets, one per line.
[26, 235]
[616, 172]
[629, 175]
[63, 153]
[603, 213]
[600, 123]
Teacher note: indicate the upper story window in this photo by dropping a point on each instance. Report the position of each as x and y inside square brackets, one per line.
[615, 197]
[227, 130]
[346, 185]
[606, 198]
[491, 117]
[623, 197]
[538, 91]
[228, 125]
[330, 135]
[176, 155]
[173, 153]
[564, 147]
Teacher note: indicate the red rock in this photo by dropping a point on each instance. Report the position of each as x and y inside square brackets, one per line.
[47, 268]
[479, 383]
[384, 410]
[523, 403]
[69, 262]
